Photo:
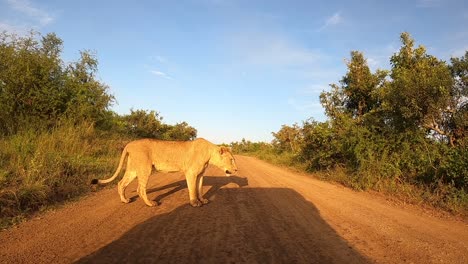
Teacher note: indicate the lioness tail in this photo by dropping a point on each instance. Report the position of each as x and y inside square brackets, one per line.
[122, 158]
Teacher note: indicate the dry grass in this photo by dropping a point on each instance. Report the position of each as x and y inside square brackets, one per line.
[42, 169]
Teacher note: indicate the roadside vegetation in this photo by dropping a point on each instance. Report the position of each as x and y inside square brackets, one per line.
[57, 131]
[401, 131]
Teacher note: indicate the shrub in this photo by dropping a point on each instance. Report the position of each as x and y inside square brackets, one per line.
[40, 169]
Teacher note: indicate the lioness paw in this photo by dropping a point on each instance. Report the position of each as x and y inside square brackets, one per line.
[151, 203]
[204, 201]
[195, 203]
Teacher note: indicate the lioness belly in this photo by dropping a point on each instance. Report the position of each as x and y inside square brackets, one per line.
[165, 167]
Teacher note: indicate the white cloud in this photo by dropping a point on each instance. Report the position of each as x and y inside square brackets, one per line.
[26, 8]
[333, 20]
[24, 17]
[161, 74]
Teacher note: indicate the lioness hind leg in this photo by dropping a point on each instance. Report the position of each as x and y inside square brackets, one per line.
[126, 180]
[142, 183]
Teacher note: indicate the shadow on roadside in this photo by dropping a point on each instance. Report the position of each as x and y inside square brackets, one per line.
[240, 225]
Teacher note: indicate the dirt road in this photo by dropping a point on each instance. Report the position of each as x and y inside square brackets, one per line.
[264, 215]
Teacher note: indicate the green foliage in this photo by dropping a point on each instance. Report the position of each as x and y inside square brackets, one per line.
[141, 123]
[148, 124]
[37, 89]
[457, 118]
[452, 168]
[288, 138]
[247, 146]
[40, 169]
[267, 152]
[319, 151]
[420, 90]
[360, 86]
[180, 131]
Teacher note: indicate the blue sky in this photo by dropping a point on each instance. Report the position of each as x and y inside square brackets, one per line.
[235, 69]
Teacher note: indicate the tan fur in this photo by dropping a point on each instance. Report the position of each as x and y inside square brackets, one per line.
[189, 157]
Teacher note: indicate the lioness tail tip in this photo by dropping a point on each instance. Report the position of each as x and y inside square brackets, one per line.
[94, 181]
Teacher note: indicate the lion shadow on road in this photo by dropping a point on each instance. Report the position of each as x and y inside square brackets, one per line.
[241, 225]
[214, 182]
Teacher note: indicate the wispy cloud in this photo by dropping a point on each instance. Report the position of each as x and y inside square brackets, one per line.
[159, 59]
[161, 74]
[26, 8]
[5, 26]
[333, 20]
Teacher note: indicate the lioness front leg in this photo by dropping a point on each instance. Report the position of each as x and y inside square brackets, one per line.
[200, 190]
[192, 188]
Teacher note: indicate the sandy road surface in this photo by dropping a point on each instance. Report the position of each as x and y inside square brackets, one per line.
[264, 215]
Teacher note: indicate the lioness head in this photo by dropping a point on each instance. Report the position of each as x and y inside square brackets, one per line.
[224, 160]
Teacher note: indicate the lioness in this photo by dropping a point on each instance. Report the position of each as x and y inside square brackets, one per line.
[190, 157]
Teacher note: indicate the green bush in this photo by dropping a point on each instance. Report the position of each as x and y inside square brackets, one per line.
[453, 168]
[38, 90]
[40, 169]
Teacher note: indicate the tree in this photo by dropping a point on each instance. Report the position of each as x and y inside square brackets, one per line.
[457, 119]
[288, 138]
[86, 97]
[148, 124]
[144, 124]
[359, 86]
[420, 91]
[359, 92]
[334, 102]
[37, 90]
[180, 131]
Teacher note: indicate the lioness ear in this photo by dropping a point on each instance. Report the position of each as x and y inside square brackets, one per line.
[222, 150]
